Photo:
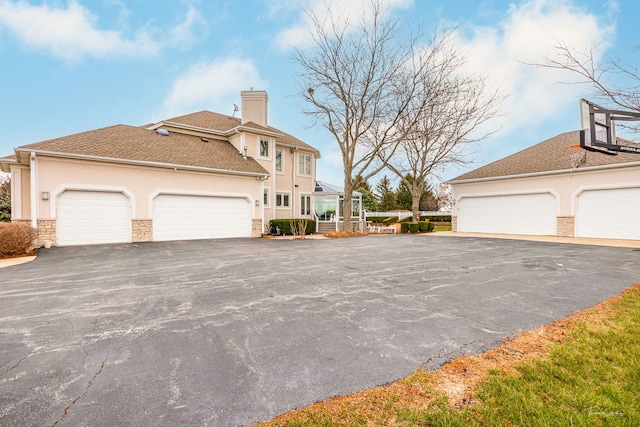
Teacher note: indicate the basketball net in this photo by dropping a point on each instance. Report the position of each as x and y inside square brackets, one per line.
[575, 155]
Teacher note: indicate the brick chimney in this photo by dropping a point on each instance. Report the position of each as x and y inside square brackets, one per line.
[255, 107]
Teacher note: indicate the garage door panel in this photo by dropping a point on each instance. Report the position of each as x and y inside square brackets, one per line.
[609, 214]
[531, 214]
[92, 217]
[183, 217]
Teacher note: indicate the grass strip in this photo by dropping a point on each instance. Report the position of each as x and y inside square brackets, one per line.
[583, 370]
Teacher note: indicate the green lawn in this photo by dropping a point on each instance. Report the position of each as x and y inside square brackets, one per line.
[442, 228]
[590, 378]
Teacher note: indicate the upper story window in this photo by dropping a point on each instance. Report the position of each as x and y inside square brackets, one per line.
[279, 160]
[304, 164]
[264, 147]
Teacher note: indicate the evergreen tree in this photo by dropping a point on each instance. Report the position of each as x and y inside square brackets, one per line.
[404, 199]
[5, 199]
[369, 201]
[386, 195]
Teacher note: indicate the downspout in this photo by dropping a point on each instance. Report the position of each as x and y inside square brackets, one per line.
[33, 176]
[261, 206]
[294, 164]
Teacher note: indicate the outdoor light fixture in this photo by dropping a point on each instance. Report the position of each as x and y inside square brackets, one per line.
[257, 202]
[45, 195]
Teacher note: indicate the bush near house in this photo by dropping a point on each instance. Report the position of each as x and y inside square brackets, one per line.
[285, 225]
[16, 239]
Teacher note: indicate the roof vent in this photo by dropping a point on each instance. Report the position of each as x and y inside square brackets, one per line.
[162, 132]
[204, 139]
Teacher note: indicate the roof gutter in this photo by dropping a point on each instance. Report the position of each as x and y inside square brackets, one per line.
[545, 173]
[149, 163]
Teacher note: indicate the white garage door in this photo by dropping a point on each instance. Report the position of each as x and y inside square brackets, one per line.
[178, 217]
[92, 217]
[609, 214]
[532, 214]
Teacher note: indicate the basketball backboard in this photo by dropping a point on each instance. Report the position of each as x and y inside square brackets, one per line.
[599, 128]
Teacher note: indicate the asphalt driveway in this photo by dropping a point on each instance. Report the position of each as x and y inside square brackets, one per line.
[232, 332]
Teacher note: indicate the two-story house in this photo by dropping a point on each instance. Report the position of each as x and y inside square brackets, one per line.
[198, 176]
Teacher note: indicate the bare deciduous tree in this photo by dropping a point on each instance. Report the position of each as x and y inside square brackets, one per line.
[597, 73]
[359, 81]
[450, 109]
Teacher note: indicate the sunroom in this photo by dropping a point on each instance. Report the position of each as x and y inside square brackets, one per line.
[329, 208]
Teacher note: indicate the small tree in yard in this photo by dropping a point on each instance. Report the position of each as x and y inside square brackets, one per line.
[361, 81]
[5, 199]
[450, 109]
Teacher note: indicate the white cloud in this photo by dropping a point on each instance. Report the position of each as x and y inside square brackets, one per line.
[212, 86]
[298, 35]
[527, 36]
[72, 32]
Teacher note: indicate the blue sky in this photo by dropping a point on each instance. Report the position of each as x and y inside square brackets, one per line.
[74, 65]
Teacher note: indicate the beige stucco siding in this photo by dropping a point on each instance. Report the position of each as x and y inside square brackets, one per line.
[141, 184]
[20, 202]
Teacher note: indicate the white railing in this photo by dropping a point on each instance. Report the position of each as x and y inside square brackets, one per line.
[406, 214]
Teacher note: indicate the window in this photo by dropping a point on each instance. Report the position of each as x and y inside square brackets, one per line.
[304, 164]
[282, 200]
[264, 147]
[305, 204]
[265, 197]
[278, 160]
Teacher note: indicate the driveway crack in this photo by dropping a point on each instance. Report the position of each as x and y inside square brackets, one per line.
[17, 364]
[86, 390]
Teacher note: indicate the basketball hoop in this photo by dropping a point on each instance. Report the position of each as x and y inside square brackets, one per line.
[576, 156]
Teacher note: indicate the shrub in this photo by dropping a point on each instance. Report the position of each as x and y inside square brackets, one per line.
[409, 227]
[285, 225]
[436, 218]
[16, 239]
[424, 226]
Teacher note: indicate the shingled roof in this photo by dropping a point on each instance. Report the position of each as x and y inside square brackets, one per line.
[547, 156]
[140, 145]
[220, 122]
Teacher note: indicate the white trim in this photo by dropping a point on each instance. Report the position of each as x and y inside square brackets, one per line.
[551, 191]
[172, 192]
[545, 173]
[275, 201]
[33, 184]
[310, 174]
[53, 199]
[275, 161]
[148, 163]
[259, 151]
[596, 187]
[267, 189]
[310, 196]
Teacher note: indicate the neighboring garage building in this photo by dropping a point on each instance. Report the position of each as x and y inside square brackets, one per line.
[538, 191]
[198, 176]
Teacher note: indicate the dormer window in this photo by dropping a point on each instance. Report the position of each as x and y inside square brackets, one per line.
[264, 147]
